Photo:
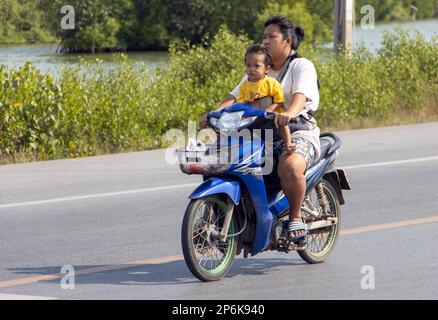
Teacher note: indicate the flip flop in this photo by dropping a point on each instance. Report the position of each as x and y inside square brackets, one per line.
[296, 226]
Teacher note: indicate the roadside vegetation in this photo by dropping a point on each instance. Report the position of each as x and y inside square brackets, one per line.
[127, 109]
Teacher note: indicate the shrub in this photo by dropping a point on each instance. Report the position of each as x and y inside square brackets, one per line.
[126, 108]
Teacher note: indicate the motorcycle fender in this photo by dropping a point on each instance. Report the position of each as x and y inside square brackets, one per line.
[218, 185]
[343, 181]
[339, 181]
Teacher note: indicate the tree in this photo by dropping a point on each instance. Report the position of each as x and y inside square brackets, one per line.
[154, 24]
[426, 8]
[149, 31]
[97, 25]
[22, 22]
[316, 31]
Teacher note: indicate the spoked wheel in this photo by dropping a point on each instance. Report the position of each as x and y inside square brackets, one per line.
[320, 242]
[206, 256]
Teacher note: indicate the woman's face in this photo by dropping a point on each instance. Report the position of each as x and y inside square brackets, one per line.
[273, 40]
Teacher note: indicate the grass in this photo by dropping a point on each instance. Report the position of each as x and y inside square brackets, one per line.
[400, 117]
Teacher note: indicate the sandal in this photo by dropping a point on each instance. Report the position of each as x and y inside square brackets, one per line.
[296, 226]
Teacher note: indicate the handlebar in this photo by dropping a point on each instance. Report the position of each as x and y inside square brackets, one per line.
[270, 115]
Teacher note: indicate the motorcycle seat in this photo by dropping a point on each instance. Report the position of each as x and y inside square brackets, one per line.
[325, 147]
[329, 142]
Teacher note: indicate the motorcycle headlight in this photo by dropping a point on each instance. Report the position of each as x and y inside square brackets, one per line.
[246, 121]
[231, 120]
[214, 121]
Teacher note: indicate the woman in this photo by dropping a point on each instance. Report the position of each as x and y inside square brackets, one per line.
[299, 80]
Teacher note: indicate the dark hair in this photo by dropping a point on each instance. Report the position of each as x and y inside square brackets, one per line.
[256, 48]
[288, 29]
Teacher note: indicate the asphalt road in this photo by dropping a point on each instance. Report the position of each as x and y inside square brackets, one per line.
[116, 221]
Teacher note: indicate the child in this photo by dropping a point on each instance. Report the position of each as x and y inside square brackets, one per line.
[262, 91]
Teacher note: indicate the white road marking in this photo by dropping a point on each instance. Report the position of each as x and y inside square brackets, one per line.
[96, 195]
[5, 296]
[181, 186]
[389, 163]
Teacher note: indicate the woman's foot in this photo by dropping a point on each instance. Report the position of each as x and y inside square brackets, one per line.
[296, 229]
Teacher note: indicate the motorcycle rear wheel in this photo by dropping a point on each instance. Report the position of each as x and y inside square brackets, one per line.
[207, 258]
[320, 243]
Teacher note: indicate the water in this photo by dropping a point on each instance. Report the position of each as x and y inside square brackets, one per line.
[372, 38]
[45, 58]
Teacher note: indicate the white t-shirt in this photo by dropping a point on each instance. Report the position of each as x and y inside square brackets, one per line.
[299, 78]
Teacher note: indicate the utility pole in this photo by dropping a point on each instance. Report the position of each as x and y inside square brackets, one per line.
[344, 23]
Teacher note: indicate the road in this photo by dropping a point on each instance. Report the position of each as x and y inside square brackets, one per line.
[116, 221]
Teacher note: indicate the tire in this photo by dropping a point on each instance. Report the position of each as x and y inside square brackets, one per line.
[319, 253]
[204, 217]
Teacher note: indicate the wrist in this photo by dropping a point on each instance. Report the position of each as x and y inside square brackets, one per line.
[290, 114]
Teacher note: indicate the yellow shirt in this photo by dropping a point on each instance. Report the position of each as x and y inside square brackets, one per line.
[267, 87]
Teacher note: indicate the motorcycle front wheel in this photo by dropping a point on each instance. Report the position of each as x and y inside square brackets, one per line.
[206, 257]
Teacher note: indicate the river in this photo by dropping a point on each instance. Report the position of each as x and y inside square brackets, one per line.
[45, 58]
[372, 38]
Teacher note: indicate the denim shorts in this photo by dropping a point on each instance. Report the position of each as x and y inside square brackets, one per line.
[302, 146]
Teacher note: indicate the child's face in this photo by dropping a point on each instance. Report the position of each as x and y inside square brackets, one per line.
[255, 66]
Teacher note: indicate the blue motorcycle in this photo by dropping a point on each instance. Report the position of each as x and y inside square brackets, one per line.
[240, 206]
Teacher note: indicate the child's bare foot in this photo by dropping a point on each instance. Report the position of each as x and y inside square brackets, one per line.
[290, 148]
